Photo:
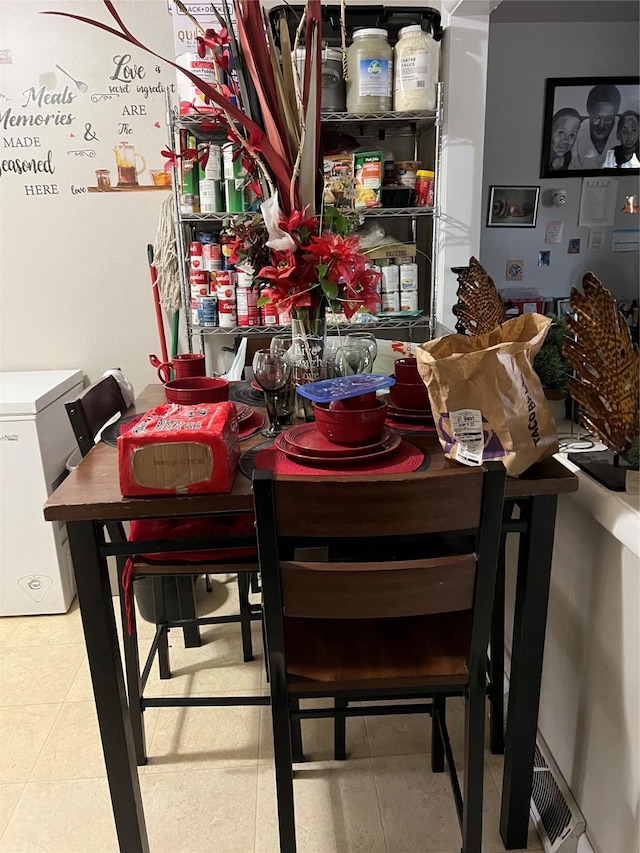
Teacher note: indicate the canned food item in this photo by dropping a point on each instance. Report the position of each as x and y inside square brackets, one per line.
[224, 281]
[269, 314]
[284, 318]
[199, 282]
[212, 257]
[408, 300]
[233, 189]
[207, 310]
[390, 302]
[227, 311]
[244, 277]
[390, 281]
[195, 256]
[424, 188]
[213, 169]
[211, 196]
[406, 172]
[247, 306]
[408, 276]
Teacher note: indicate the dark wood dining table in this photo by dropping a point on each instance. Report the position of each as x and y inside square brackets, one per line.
[90, 496]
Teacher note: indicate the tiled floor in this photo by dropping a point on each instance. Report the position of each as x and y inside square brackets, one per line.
[209, 783]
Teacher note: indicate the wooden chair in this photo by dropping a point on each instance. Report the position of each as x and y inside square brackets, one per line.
[398, 606]
[94, 408]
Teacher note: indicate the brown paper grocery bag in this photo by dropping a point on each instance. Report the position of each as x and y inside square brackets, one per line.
[486, 398]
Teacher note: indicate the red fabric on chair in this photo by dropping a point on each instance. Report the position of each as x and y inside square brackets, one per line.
[146, 529]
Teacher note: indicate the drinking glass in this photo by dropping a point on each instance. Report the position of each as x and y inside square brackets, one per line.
[353, 358]
[367, 338]
[285, 398]
[271, 371]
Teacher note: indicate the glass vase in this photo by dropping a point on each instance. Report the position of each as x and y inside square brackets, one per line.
[308, 359]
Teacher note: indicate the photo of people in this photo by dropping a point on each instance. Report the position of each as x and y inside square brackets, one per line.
[590, 125]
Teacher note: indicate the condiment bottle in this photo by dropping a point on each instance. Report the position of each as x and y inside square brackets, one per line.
[424, 188]
[416, 58]
[370, 64]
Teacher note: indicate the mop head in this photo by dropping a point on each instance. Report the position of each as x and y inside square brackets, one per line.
[165, 257]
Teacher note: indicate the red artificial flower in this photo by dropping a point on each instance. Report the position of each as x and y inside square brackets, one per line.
[172, 159]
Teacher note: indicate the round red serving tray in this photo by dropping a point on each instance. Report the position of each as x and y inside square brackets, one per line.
[308, 439]
[388, 445]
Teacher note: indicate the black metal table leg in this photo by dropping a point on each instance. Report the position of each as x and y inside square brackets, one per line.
[496, 668]
[98, 621]
[530, 619]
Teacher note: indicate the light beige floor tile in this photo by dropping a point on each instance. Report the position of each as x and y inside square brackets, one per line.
[8, 626]
[317, 735]
[23, 732]
[30, 675]
[217, 666]
[196, 812]
[206, 738]
[61, 629]
[336, 809]
[62, 817]
[73, 749]
[9, 796]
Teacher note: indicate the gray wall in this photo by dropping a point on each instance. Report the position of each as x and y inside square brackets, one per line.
[521, 57]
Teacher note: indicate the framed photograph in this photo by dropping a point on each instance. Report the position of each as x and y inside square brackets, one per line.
[512, 207]
[590, 127]
[563, 307]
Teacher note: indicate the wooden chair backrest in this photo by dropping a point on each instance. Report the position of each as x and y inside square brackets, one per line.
[97, 404]
[328, 509]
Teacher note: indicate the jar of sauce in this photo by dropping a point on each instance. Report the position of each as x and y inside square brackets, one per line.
[370, 64]
[424, 188]
[416, 59]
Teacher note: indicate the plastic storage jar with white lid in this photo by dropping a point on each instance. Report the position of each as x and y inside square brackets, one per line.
[416, 70]
[370, 64]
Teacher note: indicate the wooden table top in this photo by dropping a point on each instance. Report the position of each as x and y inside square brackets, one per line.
[92, 492]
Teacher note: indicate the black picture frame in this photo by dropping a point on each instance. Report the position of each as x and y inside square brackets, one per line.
[512, 207]
[571, 101]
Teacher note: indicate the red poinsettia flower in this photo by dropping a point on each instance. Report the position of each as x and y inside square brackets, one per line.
[212, 40]
[172, 159]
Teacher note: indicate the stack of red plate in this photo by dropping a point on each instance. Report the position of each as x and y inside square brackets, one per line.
[417, 416]
[305, 443]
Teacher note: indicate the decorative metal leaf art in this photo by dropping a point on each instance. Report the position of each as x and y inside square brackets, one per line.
[607, 365]
[479, 309]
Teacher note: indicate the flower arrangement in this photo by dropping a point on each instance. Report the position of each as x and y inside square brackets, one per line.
[302, 255]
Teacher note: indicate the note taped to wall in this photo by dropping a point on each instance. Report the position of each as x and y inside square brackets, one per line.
[597, 202]
[626, 239]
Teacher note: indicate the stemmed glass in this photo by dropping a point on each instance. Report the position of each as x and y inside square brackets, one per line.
[271, 371]
[351, 358]
[367, 338]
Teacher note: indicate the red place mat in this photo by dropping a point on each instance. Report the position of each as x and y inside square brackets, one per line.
[405, 459]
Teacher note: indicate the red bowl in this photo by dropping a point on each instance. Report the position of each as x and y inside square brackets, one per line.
[350, 426]
[406, 395]
[406, 370]
[197, 389]
[362, 401]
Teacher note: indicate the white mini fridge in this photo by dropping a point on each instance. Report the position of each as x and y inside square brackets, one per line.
[36, 440]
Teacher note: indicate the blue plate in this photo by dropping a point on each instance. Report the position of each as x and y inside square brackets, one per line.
[342, 387]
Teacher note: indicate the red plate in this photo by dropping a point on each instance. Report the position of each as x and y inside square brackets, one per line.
[243, 412]
[308, 439]
[388, 445]
[409, 414]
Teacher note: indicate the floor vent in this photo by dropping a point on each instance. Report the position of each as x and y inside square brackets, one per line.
[554, 812]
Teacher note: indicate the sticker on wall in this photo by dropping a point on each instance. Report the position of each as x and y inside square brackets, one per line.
[553, 231]
[5, 56]
[544, 259]
[595, 241]
[515, 270]
[574, 247]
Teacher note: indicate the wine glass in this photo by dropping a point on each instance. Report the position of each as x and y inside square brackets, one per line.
[353, 358]
[367, 338]
[271, 371]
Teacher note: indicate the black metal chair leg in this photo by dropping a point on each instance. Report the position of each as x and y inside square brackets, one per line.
[496, 670]
[185, 587]
[132, 674]
[245, 616]
[296, 735]
[281, 722]
[437, 746]
[340, 731]
[255, 584]
[473, 765]
[157, 588]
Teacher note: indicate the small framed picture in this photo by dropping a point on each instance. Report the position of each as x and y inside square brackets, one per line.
[563, 307]
[512, 207]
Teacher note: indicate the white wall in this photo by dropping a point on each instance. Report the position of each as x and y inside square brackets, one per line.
[75, 284]
[521, 57]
